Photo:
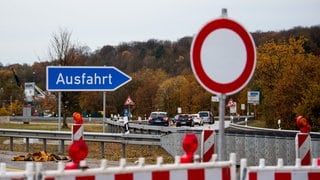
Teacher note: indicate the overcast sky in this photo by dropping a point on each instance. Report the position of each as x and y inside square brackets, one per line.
[27, 26]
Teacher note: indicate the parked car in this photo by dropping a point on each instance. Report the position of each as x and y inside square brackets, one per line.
[183, 120]
[197, 120]
[206, 116]
[158, 118]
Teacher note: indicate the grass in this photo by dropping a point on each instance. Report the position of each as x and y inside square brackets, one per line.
[257, 123]
[113, 151]
[48, 127]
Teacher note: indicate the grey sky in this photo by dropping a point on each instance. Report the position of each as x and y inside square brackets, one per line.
[26, 26]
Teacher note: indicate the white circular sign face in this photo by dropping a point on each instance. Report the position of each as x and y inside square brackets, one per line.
[214, 48]
[223, 56]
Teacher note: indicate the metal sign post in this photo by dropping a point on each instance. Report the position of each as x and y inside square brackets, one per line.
[220, 43]
[59, 111]
[104, 112]
[221, 139]
[60, 149]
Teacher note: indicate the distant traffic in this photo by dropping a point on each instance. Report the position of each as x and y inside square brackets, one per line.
[161, 118]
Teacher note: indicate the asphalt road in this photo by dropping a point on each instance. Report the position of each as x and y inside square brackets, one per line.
[214, 126]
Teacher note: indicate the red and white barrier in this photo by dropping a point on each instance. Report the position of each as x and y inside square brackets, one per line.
[303, 148]
[77, 132]
[218, 170]
[78, 150]
[186, 174]
[213, 170]
[207, 147]
[279, 172]
[77, 128]
[23, 175]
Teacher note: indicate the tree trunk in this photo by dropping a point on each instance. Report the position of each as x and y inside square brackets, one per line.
[64, 121]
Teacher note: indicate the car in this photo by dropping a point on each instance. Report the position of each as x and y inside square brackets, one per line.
[206, 116]
[197, 120]
[158, 118]
[183, 120]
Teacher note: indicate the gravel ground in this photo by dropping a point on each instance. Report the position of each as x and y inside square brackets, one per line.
[5, 157]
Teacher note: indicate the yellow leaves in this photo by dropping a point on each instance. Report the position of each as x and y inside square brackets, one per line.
[180, 58]
[285, 74]
[274, 58]
[273, 52]
[182, 91]
[40, 156]
[4, 111]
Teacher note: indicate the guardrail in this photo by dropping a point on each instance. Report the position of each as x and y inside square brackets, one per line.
[245, 129]
[112, 126]
[93, 137]
[140, 133]
[244, 140]
[271, 144]
[21, 118]
[141, 127]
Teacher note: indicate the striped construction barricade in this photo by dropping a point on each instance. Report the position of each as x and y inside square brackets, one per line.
[77, 127]
[207, 146]
[279, 172]
[217, 170]
[303, 148]
[77, 132]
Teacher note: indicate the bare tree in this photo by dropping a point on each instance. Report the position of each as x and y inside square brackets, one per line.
[61, 49]
[62, 52]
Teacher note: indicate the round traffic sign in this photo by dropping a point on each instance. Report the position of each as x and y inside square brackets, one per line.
[223, 56]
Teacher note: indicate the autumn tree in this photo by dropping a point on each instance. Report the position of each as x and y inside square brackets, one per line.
[146, 83]
[6, 82]
[10, 93]
[182, 91]
[285, 73]
[308, 89]
[91, 101]
[168, 96]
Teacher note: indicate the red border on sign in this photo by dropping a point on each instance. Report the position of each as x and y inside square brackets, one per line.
[243, 79]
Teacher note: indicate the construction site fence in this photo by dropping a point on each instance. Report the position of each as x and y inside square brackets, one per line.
[218, 170]
[212, 170]
[279, 171]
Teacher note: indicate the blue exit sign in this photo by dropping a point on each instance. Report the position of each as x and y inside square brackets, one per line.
[85, 78]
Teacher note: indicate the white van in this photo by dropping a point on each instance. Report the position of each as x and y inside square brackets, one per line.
[196, 119]
[206, 116]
